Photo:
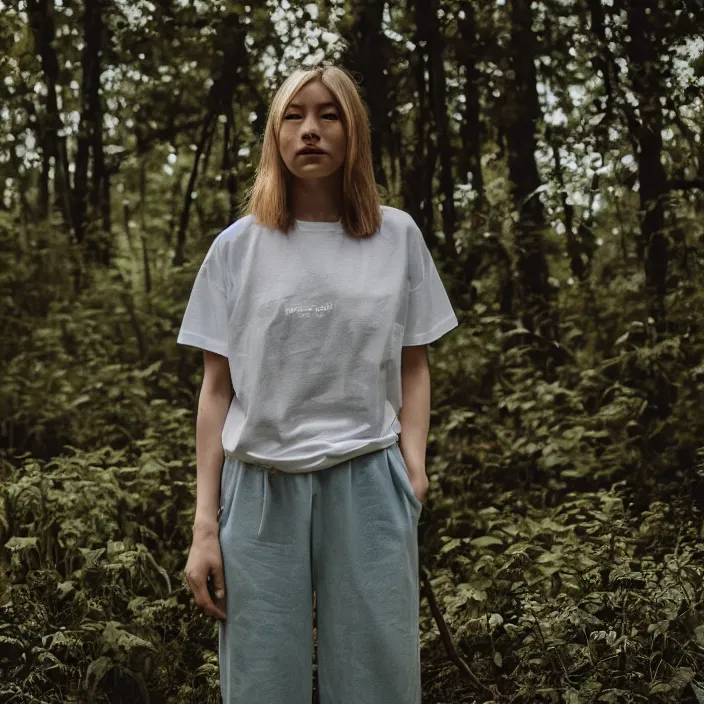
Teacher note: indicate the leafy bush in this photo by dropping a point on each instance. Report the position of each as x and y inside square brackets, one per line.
[562, 537]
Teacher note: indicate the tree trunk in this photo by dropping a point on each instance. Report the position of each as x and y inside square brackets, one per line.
[231, 59]
[554, 136]
[43, 209]
[368, 55]
[188, 196]
[41, 20]
[230, 148]
[418, 179]
[90, 133]
[646, 79]
[100, 175]
[469, 159]
[427, 18]
[532, 268]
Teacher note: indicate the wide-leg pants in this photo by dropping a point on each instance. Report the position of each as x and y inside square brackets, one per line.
[349, 532]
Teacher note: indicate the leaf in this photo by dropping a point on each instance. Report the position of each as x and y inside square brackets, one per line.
[451, 545]
[517, 549]
[83, 398]
[681, 678]
[148, 371]
[65, 588]
[612, 696]
[485, 541]
[92, 556]
[575, 473]
[95, 673]
[498, 660]
[548, 556]
[123, 644]
[659, 628]
[533, 575]
[20, 543]
[660, 687]
[698, 690]
[160, 571]
[699, 635]
[495, 620]
[469, 591]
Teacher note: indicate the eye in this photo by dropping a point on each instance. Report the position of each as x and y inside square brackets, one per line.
[331, 114]
[290, 116]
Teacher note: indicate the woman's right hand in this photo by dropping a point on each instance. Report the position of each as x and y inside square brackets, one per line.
[204, 561]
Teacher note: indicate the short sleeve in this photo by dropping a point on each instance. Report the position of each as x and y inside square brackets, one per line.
[204, 322]
[430, 314]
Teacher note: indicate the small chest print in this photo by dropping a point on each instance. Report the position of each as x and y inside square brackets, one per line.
[303, 311]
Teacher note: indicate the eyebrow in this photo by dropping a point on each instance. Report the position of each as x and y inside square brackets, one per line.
[319, 106]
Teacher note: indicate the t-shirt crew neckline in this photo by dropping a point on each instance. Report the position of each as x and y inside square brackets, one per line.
[319, 226]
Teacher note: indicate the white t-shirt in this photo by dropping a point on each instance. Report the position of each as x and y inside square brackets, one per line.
[312, 324]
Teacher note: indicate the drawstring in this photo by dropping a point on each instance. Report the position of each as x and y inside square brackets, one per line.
[268, 470]
[265, 503]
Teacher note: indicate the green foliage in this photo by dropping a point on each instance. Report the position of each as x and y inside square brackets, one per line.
[566, 536]
[563, 533]
[575, 603]
[95, 516]
[92, 596]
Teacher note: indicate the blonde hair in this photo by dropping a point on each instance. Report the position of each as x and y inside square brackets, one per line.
[267, 199]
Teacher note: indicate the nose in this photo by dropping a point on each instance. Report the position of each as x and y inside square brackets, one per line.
[309, 127]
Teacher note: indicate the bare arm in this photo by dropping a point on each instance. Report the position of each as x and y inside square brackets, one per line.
[213, 402]
[415, 412]
[415, 415]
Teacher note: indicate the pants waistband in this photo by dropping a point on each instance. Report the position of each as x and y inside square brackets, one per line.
[263, 467]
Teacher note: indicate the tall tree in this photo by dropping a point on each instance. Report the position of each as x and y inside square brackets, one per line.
[367, 54]
[434, 48]
[51, 138]
[229, 63]
[418, 175]
[532, 267]
[90, 137]
[646, 77]
[469, 50]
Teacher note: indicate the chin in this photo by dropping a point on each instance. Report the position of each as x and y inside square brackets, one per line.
[312, 175]
[315, 173]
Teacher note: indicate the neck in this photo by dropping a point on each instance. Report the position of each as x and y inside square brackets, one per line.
[317, 200]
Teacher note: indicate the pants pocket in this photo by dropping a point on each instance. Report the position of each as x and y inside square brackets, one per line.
[228, 485]
[276, 516]
[256, 506]
[399, 467]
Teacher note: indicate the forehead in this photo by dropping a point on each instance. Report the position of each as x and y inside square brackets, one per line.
[313, 94]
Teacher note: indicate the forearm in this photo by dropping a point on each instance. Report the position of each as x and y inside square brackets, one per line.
[415, 416]
[212, 411]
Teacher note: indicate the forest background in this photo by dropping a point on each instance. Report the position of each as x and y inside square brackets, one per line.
[551, 152]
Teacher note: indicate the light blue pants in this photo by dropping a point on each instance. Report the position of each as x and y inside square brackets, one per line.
[349, 532]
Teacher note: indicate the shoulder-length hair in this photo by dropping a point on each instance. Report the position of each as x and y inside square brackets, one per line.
[268, 198]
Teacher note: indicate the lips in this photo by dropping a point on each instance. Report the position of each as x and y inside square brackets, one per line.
[310, 150]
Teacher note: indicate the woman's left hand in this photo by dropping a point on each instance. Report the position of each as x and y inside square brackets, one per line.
[420, 484]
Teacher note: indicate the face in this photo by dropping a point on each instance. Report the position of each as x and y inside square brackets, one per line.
[313, 121]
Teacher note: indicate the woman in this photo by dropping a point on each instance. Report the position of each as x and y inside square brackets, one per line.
[313, 311]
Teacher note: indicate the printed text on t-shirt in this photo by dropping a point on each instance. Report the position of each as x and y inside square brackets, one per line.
[318, 311]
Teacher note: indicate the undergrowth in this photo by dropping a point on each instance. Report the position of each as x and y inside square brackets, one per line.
[562, 534]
